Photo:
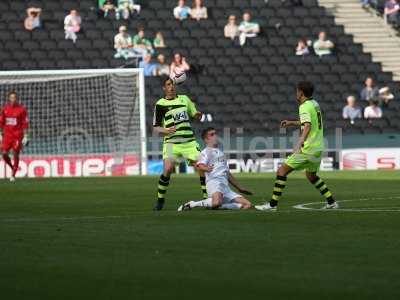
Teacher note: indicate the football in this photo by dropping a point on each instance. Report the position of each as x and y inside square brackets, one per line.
[179, 77]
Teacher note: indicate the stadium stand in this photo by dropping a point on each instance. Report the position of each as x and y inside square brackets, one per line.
[250, 86]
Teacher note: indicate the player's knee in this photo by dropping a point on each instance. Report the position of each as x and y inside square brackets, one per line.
[312, 177]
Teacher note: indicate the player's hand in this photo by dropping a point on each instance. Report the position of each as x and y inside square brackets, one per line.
[198, 116]
[245, 191]
[209, 168]
[285, 123]
[25, 141]
[170, 130]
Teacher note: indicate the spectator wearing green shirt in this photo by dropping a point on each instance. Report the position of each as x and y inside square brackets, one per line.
[106, 6]
[322, 46]
[247, 29]
[159, 41]
[141, 45]
[123, 45]
[127, 8]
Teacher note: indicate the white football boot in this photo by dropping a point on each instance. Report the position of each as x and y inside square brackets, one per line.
[266, 207]
[334, 205]
[12, 179]
[185, 206]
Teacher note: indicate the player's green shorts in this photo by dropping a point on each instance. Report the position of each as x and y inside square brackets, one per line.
[189, 151]
[302, 161]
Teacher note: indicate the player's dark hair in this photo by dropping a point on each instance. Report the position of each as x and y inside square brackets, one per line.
[205, 132]
[164, 79]
[306, 87]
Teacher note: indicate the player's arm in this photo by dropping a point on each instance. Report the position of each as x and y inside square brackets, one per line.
[203, 163]
[25, 127]
[232, 180]
[192, 110]
[159, 114]
[304, 134]
[288, 123]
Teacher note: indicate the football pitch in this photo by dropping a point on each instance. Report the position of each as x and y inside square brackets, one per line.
[98, 238]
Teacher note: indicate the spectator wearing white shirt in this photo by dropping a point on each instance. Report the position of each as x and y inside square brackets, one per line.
[372, 111]
[178, 65]
[302, 48]
[72, 25]
[181, 12]
[322, 46]
[162, 67]
[126, 8]
[385, 96]
[198, 11]
[351, 111]
[123, 44]
[247, 29]
[231, 29]
[32, 21]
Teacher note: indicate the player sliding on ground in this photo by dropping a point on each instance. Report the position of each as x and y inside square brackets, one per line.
[308, 151]
[172, 117]
[14, 125]
[212, 161]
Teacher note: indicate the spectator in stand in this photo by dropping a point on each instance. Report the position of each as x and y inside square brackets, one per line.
[385, 96]
[106, 6]
[127, 8]
[392, 12]
[369, 92]
[322, 46]
[149, 68]
[247, 29]
[351, 111]
[368, 3]
[162, 67]
[72, 25]
[32, 21]
[178, 65]
[231, 30]
[302, 48]
[159, 41]
[181, 12]
[142, 45]
[372, 111]
[198, 11]
[123, 44]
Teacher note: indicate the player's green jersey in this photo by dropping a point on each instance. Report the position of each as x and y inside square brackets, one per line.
[176, 112]
[310, 112]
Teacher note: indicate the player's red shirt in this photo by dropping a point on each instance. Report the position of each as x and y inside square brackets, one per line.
[13, 120]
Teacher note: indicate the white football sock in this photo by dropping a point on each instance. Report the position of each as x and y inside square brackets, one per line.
[202, 203]
[232, 206]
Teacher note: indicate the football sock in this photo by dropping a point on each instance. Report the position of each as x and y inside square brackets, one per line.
[7, 159]
[16, 164]
[203, 187]
[321, 186]
[162, 188]
[231, 206]
[201, 203]
[280, 183]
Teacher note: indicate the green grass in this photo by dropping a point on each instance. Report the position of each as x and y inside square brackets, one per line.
[97, 238]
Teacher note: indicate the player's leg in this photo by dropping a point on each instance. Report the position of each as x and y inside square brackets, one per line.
[320, 185]
[6, 147]
[215, 201]
[245, 204]
[17, 147]
[163, 183]
[191, 152]
[293, 162]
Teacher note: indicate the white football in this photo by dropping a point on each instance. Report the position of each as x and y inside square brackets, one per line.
[179, 77]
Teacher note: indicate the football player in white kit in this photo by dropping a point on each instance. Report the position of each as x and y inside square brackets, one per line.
[218, 177]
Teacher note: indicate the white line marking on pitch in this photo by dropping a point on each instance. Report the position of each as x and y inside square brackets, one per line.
[361, 209]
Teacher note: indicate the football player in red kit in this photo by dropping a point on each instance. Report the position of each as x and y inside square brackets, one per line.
[14, 125]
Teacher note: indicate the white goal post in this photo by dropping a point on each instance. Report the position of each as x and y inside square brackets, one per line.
[82, 122]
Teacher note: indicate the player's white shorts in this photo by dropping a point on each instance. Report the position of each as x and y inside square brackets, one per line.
[222, 186]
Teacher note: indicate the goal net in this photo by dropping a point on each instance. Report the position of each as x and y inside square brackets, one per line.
[82, 122]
